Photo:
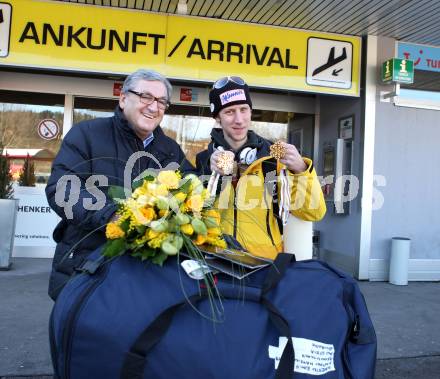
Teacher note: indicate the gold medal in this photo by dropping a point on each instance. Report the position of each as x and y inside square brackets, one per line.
[278, 150]
[225, 162]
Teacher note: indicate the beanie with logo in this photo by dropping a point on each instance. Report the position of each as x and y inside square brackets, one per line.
[231, 93]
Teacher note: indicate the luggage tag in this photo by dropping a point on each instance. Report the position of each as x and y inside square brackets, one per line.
[195, 269]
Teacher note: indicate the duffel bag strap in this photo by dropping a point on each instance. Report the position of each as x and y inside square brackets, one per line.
[135, 360]
[276, 271]
[286, 365]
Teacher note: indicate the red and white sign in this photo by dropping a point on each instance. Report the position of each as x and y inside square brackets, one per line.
[186, 94]
[117, 88]
[48, 129]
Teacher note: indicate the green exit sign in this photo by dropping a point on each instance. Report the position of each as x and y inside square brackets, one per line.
[398, 71]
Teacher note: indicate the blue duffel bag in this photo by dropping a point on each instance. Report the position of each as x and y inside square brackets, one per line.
[124, 318]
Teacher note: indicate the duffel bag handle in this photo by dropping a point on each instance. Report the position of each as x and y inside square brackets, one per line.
[135, 360]
[276, 271]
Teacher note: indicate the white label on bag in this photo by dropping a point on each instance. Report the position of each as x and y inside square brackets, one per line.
[311, 357]
[195, 269]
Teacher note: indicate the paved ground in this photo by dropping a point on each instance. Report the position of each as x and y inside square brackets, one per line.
[406, 319]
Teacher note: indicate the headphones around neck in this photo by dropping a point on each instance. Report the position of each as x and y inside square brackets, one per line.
[246, 156]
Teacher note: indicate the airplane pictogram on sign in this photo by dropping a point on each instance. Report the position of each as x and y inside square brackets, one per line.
[329, 63]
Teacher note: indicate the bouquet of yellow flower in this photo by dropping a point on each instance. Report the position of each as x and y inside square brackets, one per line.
[164, 214]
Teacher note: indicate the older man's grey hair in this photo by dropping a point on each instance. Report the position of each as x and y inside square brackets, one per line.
[150, 75]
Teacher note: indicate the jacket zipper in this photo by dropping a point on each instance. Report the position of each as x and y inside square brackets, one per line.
[269, 231]
[235, 211]
[70, 323]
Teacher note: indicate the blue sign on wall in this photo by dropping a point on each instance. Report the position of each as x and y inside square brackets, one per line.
[425, 57]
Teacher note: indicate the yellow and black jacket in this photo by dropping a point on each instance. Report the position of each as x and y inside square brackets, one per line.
[248, 210]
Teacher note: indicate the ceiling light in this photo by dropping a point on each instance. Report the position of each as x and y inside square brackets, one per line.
[182, 7]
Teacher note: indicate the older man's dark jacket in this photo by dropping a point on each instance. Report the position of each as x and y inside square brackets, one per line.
[101, 146]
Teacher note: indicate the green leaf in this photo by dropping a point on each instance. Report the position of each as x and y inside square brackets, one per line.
[185, 186]
[136, 184]
[159, 258]
[116, 193]
[143, 253]
[125, 225]
[148, 175]
[141, 229]
[113, 248]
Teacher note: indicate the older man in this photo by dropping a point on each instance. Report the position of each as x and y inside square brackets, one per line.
[246, 199]
[93, 156]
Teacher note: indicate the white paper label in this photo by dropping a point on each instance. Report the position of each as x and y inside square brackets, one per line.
[311, 357]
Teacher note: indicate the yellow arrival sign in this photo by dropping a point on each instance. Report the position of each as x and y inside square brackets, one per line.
[78, 37]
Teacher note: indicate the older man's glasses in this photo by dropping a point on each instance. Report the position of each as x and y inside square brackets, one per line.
[225, 80]
[147, 99]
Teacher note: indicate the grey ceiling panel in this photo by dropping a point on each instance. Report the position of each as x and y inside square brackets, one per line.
[278, 13]
[147, 4]
[266, 10]
[164, 4]
[389, 14]
[217, 13]
[411, 28]
[314, 8]
[333, 8]
[207, 6]
[213, 8]
[298, 10]
[238, 9]
[228, 11]
[155, 6]
[382, 17]
[253, 8]
[196, 7]
[139, 4]
[415, 21]
[365, 16]
[400, 17]
[320, 10]
[411, 18]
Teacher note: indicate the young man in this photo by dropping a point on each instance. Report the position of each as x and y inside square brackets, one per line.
[103, 147]
[248, 202]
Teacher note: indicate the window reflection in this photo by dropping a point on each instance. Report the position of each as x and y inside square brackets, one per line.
[193, 133]
[31, 129]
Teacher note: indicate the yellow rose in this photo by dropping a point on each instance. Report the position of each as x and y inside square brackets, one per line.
[187, 229]
[169, 178]
[156, 190]
[163, 213]
[214, 232]
[180, 197]
[113, 231]
[148, 213]
[195, 203]
[156, 243]
[150, 234]
[200, 240]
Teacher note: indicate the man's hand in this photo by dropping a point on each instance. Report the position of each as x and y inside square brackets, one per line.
[218, 166]
[292, 159]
